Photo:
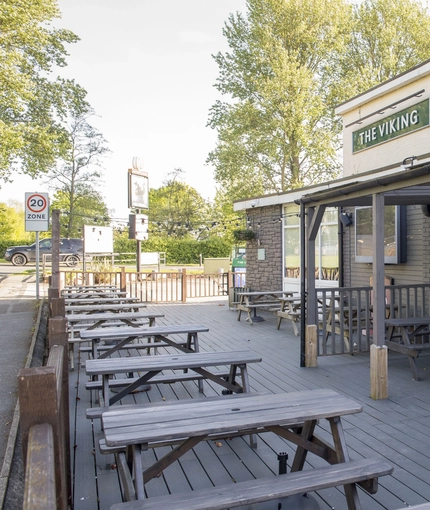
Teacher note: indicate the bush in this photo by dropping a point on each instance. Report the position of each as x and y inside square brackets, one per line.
[6, 243]
[178, 251]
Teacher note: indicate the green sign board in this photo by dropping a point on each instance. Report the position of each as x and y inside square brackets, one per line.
[239, 262]
[400, 123]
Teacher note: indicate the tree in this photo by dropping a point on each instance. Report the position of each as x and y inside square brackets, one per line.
[31, 102]
[12, 222]
[224, 219]
[278, 130]
[177, 209]
[388, 38]
[89, 208]
[78, 170]
[290, 63]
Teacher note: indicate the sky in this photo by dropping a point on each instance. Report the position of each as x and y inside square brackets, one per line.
[149, 74]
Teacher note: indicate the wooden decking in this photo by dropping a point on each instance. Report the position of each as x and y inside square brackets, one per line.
[396, 429]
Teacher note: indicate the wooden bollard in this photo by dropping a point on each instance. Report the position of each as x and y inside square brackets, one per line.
[311, 346]
[57, 332]
[53, 293]
[57, 307]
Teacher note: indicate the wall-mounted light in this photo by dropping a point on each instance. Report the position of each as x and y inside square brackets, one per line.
[345, 219]
[408, 162]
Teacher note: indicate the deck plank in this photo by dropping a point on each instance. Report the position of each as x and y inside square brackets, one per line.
[395, 428]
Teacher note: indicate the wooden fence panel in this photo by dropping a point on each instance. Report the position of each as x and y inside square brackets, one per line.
[40, 488]
[157, 287]
[42, 400]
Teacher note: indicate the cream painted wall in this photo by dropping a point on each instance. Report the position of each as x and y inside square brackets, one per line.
[391, 152]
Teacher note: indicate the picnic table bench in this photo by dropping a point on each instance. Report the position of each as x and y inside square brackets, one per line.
[337, 317]
[249, 301]
[410, 328]
[95, 320]
[75, 294]
[194, 366]
[89, 289]
[127, 334]
[106, 307]
[99, 300]
[79, 322]
[292, 416]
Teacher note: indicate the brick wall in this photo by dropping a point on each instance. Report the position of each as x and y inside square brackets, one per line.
[265, 274]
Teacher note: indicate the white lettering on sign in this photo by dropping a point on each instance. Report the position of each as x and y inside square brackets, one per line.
[390, 127]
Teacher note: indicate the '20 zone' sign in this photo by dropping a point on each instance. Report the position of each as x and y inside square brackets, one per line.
[36, 212]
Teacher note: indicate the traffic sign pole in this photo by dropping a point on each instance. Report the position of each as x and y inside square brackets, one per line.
[37, 220]
[37, 265]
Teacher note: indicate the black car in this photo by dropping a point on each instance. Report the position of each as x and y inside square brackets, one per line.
[71, 252]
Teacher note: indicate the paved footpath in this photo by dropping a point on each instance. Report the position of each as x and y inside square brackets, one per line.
[19, 312]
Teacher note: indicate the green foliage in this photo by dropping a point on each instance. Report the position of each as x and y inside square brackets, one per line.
[77, 171]
[243, 234]
[101, 270]
[7, 242]
[12, 224]
[224, 219]
[277, 131]
[178, 251]
[289, 63]
[32, 102]
[178, 210]
[88, 208]
[388, 38]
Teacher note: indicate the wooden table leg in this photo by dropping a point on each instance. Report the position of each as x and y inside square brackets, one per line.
[137, 472]
[246, 389]
[411, 359]
[171, 457]
[300, 455]
[343, 456]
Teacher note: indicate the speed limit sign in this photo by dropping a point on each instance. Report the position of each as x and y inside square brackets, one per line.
[36, 212]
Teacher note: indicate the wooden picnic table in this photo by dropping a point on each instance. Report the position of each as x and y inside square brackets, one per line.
[89, 295]
[292, 416]
[92, 308]
[343, 319]
[410, 329]
[93, 321]
[100, 300]
[83, 289]
[79, 321]
[289, 309]
[148, 368]
[249, 301]
[127, 334]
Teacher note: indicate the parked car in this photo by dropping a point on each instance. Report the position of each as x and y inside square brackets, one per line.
[71, 252]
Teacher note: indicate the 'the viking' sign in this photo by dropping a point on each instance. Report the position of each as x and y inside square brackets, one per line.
[400, 123]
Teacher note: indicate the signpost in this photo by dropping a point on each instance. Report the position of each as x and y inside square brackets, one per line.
[138, 198]
[37, 220]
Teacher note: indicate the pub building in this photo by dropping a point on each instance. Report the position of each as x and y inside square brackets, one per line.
[372, 223]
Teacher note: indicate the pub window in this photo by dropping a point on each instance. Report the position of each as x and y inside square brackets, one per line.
[326, 245]
[394, 234]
